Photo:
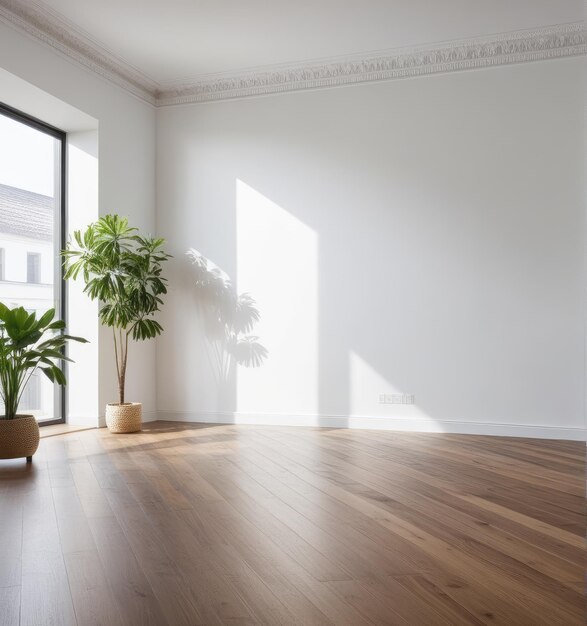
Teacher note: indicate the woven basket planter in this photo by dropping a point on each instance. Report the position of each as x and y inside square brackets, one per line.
[124, 418]
[19, 437]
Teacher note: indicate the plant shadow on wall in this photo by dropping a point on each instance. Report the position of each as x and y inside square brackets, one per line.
[228, 319]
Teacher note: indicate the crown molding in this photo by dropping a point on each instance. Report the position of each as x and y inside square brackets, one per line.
[518, 47]
[52, 29]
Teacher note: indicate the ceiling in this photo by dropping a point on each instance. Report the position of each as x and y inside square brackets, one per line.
[172, 41]
[170, 52]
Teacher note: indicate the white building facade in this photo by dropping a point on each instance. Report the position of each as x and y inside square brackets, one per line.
[27, 274]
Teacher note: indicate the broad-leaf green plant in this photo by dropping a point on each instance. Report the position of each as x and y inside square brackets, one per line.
[28, 344]
[123, 271]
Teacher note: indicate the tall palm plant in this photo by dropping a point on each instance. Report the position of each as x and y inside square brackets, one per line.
[123, 270]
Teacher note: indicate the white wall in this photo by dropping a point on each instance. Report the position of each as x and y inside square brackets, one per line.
[421, 236]
[126, 176]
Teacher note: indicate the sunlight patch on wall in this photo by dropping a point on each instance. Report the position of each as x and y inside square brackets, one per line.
[277, 264]
[83, 383]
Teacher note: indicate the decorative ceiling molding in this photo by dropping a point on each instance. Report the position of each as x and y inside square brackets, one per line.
[54, 30]
[517, 47]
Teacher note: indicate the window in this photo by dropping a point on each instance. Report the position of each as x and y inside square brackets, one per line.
[31, 398]
[33, 267]
[32, 214]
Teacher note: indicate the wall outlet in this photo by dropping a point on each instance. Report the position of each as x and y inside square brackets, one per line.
[396, 398]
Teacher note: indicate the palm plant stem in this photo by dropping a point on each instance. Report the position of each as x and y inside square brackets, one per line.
[121, 355]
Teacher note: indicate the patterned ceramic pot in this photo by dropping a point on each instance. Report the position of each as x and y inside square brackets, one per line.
[124, 418]
[19, 437]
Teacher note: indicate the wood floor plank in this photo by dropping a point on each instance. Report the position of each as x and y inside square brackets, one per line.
[484, 538]
[45, 592]
[358, 596]
[11, 508]
[459, 476]
[421, 537]
[423, 506]
[283, 576]
[202, 524]
[93, 599]
[9, 606]
[167, 583]
[128, 583]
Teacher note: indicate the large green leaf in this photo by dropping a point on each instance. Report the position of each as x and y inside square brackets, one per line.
[27, 343]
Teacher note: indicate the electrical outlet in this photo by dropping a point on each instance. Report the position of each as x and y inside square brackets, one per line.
[396, 398]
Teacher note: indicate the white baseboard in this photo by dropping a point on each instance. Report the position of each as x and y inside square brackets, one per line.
[420, 425]
[150, 416]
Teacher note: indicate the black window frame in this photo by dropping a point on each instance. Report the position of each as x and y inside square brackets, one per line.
[61, 136]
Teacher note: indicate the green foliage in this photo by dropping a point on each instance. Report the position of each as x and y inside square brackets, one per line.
[28, 343]
[123, 270]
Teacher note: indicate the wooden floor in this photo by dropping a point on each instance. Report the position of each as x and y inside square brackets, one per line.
[199, 524]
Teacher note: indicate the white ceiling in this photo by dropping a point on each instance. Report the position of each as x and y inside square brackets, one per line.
[174, 40]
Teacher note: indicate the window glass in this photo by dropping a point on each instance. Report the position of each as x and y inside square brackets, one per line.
[30, 236]
[33, 267]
